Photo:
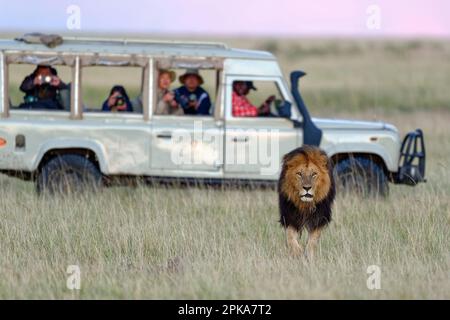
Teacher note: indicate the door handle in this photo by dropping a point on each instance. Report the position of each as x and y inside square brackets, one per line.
[236, 139]
[164, 135]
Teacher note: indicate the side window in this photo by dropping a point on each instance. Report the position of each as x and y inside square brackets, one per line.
[258, 98]
[33, 87]
[112, 89]
[185, 92]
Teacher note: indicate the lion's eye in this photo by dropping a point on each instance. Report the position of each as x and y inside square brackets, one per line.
[314, 175]
[300, 174]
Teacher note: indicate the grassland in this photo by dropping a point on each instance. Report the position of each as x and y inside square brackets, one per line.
[158, 242]
[357, 75]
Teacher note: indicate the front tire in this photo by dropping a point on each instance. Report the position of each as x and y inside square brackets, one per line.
[69, 174]
[361, 176]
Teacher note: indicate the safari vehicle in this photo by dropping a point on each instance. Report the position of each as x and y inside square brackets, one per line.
[77, 146]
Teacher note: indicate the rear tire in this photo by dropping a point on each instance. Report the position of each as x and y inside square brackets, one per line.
[69, 174]
[361, 176]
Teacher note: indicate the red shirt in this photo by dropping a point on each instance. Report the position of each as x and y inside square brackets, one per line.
[241, 107]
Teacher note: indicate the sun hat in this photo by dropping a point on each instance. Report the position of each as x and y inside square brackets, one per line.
[190, 72]
[171, 73]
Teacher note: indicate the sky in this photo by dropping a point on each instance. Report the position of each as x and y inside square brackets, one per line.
[353, 18]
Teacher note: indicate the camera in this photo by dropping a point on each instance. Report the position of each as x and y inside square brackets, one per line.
[45, 79]
[120, 100]
[192, 97]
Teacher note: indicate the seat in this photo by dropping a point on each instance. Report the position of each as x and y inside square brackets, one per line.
[64, 97]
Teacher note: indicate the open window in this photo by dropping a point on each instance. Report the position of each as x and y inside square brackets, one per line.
[187, 87]
[27, 96]
[258, 98]
[38, 83]
[115, 89]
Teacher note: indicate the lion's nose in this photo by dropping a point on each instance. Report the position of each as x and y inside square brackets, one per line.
[307, 188]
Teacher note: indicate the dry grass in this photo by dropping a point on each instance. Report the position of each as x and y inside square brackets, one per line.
[154, 242]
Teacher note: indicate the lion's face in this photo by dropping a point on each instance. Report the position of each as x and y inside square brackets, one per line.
[307, 177]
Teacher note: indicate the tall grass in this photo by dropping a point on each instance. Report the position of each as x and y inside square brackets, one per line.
[158, 242]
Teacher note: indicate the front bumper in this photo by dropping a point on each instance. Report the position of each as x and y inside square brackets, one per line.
[411, 169]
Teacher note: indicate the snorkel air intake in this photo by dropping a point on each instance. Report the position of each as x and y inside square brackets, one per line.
[311, 134]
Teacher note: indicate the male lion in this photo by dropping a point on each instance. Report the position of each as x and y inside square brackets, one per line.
[306, 192]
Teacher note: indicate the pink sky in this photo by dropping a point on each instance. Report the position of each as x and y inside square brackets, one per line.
[233, 17]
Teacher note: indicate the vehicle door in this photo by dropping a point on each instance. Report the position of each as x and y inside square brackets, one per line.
[254, 146]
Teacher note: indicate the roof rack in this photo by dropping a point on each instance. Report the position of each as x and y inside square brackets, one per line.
[53, 40]
[126, 41]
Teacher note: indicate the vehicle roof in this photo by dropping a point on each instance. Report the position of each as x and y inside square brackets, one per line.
[139, 46]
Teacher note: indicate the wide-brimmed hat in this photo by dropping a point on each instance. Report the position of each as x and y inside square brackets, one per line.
[191, 72]
[171, 73]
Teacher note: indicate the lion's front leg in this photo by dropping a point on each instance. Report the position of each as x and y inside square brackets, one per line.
[292, 241]
[313, 239]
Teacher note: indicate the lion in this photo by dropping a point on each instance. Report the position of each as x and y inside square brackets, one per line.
[306, 190]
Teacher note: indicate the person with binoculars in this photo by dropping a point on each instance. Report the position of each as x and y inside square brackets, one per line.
[118, 100]
[42, 88]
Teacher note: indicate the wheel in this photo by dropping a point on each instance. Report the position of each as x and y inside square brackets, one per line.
[69, 173]
[361, 175]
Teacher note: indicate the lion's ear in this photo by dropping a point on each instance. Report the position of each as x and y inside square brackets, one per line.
[286, 157]
[324, 158]
[325, 161]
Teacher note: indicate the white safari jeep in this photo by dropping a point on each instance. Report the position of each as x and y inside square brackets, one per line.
[78, 146]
